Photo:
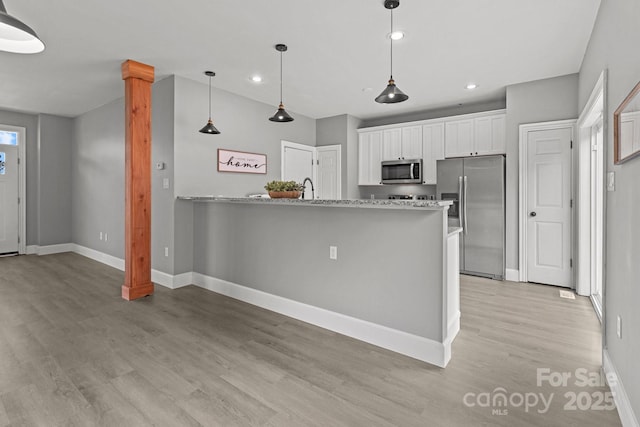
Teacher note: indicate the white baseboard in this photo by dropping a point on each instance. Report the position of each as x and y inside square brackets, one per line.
[625, 410]
[420, 348]
[158, 277]
[50, 249]
[512, 275]
[107, 259]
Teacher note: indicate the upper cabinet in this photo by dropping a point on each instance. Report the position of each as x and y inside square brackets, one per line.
[370, 158]
[402, 143]
[478, 136]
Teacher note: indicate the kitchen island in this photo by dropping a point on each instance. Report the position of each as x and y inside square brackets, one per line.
[382, 271]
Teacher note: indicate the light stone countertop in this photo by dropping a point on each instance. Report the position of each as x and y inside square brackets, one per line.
[350, 203]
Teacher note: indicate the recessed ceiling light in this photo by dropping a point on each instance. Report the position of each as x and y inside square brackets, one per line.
[256, 79]
[471, 86]
[396, 35]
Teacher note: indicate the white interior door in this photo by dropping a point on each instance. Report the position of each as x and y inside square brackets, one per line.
[329, 173]
[548, 206]
[9, 207]
[298, 163]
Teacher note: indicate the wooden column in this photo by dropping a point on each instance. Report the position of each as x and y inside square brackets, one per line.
[137, 78]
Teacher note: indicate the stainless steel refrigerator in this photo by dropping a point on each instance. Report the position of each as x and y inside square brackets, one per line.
[476, 186]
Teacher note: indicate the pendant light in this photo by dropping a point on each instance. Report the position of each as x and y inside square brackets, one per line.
[281, 115]
[209, 127]
[16, 36]
[392, 93]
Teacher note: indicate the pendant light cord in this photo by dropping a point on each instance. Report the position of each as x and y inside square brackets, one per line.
[209, 97]
[391, 37]
[281, 77]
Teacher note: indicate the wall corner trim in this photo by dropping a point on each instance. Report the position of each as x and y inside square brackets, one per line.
[625, 410]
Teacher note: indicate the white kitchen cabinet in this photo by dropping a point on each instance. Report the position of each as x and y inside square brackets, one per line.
[369, 158]
[402, 143]
[432, 151]
[459, 138]
[479, 136]
[490, 135]
[392, 144]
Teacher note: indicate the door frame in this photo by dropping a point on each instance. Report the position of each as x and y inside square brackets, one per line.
[594, 109]
[523, 196]
[22, 188]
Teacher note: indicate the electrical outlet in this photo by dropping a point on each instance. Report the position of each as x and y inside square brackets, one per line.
[101, 235]
[166, 251]
[106, 237]
[619, 327]
[333, 252]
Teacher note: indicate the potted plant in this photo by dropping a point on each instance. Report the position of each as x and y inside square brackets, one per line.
[284, 189]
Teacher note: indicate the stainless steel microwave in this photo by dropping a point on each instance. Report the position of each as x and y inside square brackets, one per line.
[402, 171]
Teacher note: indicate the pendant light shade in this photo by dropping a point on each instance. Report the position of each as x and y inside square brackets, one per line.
[209, 127]
[281, 115]
[16, 36]
[392, 93]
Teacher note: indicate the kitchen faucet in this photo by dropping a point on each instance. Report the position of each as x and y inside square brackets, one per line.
[313, 196]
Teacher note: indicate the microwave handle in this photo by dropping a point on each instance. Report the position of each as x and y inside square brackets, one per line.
[460, 200]
[411, 169]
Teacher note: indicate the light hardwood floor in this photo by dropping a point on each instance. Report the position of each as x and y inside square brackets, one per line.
[73, 353]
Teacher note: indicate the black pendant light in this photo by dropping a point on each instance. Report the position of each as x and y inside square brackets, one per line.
[281, 115]
[16, 36]
[209, 127]
[392, 93]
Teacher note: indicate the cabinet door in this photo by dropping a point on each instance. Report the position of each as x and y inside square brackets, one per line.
[369, 158]
[432, 150]
[490, 135]
[392, 144]
[412, 142]
[459, 138]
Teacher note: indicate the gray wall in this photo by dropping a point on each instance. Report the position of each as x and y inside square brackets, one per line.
[262, 247]
[244, 126]
[30, 123]
[54, 180]
[532, 102]
[613, 46]
[498, 104]
[97, 175]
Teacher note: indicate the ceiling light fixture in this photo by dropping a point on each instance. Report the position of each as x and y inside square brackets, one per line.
[256, 79]
[392, 93]
[16, 36]
[281, 115]
[471, 86]
[209, 128]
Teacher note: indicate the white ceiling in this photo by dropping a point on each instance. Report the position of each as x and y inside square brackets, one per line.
[337, 48]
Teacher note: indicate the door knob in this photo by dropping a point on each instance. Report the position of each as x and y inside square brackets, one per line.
[533, 214]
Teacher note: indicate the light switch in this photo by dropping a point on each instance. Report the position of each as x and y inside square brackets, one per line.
[165, 183]
[611, 181]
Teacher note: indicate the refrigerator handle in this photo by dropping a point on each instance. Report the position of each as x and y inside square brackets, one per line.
[464, 227]
[460, 200]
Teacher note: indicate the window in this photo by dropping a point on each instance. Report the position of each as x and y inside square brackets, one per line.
[8, 138]
[1, 163]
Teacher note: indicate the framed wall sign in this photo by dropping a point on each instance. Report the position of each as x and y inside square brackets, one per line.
[626, 128]
[239, 161]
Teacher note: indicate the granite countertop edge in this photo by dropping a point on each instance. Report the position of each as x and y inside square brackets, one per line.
[354, 203]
